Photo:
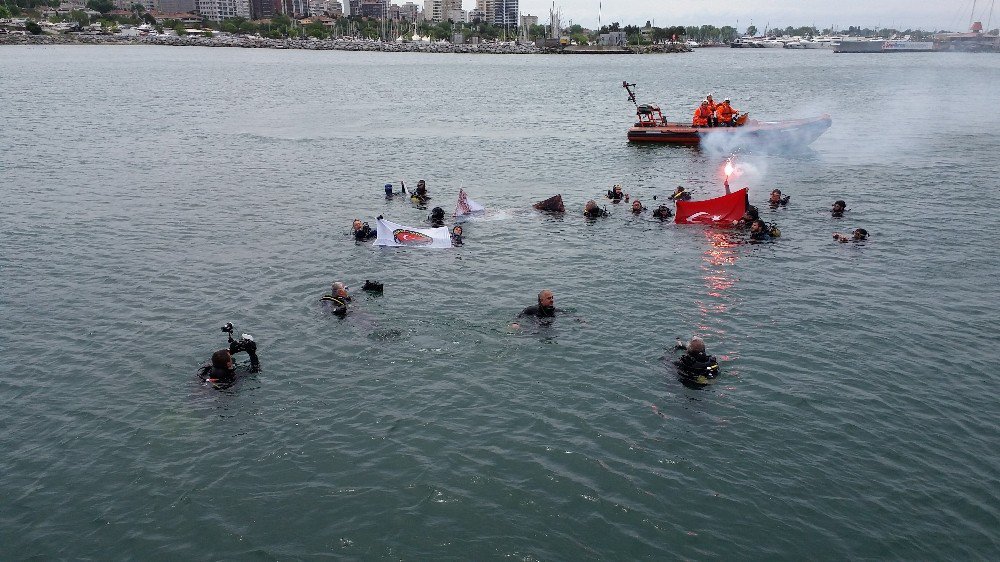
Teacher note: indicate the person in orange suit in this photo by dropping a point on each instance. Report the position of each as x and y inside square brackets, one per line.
[726, 114]
[702, 115]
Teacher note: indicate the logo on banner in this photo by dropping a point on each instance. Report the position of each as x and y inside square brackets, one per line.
[408, 237]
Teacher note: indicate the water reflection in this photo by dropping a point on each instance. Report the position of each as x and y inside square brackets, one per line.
[718, 261]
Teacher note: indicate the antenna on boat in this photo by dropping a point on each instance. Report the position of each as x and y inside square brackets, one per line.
[631, 92]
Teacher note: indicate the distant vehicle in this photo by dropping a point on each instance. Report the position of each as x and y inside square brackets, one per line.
[653, 127]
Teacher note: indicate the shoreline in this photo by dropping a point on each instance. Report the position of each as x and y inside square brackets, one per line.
[246, 42]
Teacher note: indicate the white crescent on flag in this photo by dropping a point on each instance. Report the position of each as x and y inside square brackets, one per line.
[392, 234]
[466, 206]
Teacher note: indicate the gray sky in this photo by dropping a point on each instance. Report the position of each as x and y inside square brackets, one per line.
[900, 14]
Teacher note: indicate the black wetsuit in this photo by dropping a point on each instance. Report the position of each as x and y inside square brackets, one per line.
[780, 203]
[216, 375]
[456, 239]
[615, 197]
[663, 213]
[697, 365]
[761, 236]
[365, 233]
[682, 196]
[338, 304]
[539, 311]
[595, 213]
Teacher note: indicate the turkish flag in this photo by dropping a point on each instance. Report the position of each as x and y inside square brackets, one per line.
[725, 209]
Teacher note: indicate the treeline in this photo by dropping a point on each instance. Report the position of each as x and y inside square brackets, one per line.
[651, 34]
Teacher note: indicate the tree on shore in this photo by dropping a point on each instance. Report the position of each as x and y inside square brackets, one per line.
[103, 6]
[32, 27]
[752, 31]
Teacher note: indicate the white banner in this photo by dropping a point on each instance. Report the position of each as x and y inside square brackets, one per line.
[466, 206]
[392, 234]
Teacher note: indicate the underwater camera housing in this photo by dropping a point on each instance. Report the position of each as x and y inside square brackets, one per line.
[245, 343]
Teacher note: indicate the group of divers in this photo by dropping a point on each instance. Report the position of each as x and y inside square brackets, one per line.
[695, 367]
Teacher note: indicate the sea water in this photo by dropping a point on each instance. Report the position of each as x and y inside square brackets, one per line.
[151, 194]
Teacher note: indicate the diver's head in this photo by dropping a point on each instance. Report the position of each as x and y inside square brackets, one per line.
[546, 299]
[357, 224]
[338, 289]
[696, 345]
[726, 101]
[457, 231]
[775, 196]
[590, 207]
[636, 206]
[617, 189]
[758, 226]
[437, 213]
[839, 206]
[680, 189]
[860, 234]
[222, 359]
[751, 214]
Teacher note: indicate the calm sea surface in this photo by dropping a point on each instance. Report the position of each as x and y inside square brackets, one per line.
[151, 194]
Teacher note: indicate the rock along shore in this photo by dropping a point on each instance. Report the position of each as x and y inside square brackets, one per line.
[247, 42]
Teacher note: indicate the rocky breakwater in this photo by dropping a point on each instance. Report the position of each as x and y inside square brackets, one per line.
[248, 42]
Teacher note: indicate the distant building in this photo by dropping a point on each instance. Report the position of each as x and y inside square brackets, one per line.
[484, 9]
[477, 14]
[456, 15]
[529, 21]
[218, 10]
[328, 7]
[614, 38]
[176, 6]
[432, 10]
[353, 7]
[373, 9]
[261, 9]
[148, 5]
[409, 11]
[505, 13]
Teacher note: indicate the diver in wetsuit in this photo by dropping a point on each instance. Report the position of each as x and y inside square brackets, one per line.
[337, 300]
[750, 215]
[456, 235]
[362, 231]
[436, 218]
[859, 235]
[616, 195]
[662, 212]
[546, 308]
[777, 200]
[696, 366]
[760, 231]
[420, 196]
[220, 370]
[592, 211]
[637, 207]
[838, 209]
[680, 194]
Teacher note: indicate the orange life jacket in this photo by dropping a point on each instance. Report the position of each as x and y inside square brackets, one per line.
[701, 116]
[725, 113]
